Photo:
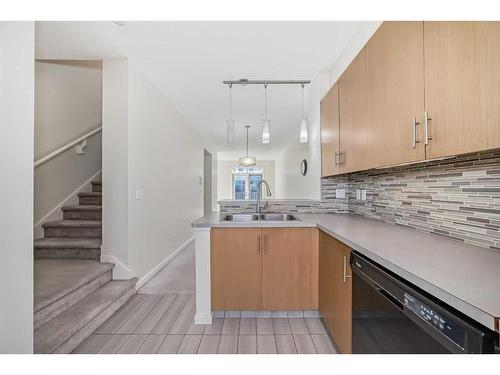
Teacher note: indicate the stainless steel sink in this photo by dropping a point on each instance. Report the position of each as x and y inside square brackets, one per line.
[241, 217]
[278, 217]
[245, 218]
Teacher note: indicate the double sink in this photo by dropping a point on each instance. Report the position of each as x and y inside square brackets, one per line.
[257, 217]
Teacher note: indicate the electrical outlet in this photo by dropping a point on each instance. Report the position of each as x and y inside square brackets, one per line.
[139, 194]
[358, 194]
[339, 193]
[363, 195]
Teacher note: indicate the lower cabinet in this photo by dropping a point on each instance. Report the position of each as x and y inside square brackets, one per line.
[335, 290]
[263, 269]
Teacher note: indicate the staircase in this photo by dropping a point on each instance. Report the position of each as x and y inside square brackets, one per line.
[74, 292]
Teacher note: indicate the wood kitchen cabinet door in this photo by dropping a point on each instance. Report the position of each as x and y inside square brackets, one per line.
[236, 268]
[355, 129]
[395, 93]
[462, 86]
[335, 290]
[330, 132]
[286, 268]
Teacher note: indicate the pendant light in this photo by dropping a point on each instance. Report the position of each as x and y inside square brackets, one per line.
[247, 160]
[303, 136]
[266, 131]
[230, 122]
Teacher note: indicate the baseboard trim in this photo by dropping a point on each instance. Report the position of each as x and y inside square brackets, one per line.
[202, 318]
[143, 280]
[55, 213]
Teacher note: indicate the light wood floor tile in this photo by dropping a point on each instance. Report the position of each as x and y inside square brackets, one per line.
[151, 344]
[215, 328]
[196, 329]
[132, 345]
[171, 344]
[155, 314]
[139, 315]
[265, 326]
[266, 344]
[228, 344]
[315, 326]
[189, 344]
[93, 344]
[304, 344]
[209, 344]
[231, 326]
[247, 344]
[168, 319]
[185, 318]
[248, 326]
[119, 318]
[298, 326]
[114, 344]
[323, 344]
[285, 344]
[281, 326]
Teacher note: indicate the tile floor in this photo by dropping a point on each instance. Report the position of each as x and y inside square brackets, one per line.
[159, 319]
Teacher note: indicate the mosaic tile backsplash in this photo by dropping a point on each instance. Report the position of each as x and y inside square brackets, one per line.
[457, 198]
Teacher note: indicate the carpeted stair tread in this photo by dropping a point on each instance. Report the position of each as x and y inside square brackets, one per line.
[55, 333]
[73, 224]
[56, 278]
[80, 207]
[90, 194]
[68, 243]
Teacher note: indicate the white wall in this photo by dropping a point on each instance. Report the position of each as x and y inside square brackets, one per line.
[225, 177]
[290, 183]
[68, 102]
[148, 146]
[115, 166]
[16, 186]
[166, 161]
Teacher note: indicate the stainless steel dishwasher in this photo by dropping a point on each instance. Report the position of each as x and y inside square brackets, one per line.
[390, 315]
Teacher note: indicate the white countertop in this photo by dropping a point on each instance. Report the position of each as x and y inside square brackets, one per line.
[465, 277]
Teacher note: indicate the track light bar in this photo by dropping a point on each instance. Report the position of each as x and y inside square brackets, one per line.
[266, 82]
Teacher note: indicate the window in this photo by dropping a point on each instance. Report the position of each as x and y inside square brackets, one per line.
[245, 182]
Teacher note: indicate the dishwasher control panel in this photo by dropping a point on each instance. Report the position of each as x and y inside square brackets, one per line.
[438, 320]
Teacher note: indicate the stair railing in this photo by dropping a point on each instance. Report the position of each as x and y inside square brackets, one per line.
[80, 143]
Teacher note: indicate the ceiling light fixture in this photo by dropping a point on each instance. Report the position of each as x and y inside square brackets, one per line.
[303, 136]
[266, 131]
[247, 160]
[230, 122]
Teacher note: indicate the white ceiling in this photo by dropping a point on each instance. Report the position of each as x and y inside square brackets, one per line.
[189, 60]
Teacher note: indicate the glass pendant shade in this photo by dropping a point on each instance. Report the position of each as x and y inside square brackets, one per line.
[303, 136]
[247, 160]
[266, 133]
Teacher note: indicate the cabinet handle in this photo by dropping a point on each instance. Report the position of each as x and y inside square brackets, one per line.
[336, 158]
[346, 276]
[340, 158]
[258, 244]
[426, 128]
[265, 244]
[414, 124]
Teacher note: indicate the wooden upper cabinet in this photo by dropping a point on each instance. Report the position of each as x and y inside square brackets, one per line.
[330, 132]
[286, 268]
[395, 94]
[462, 86]
[355, 132]
[236, 268]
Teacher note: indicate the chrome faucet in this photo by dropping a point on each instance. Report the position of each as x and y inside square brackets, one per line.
[258, 208]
